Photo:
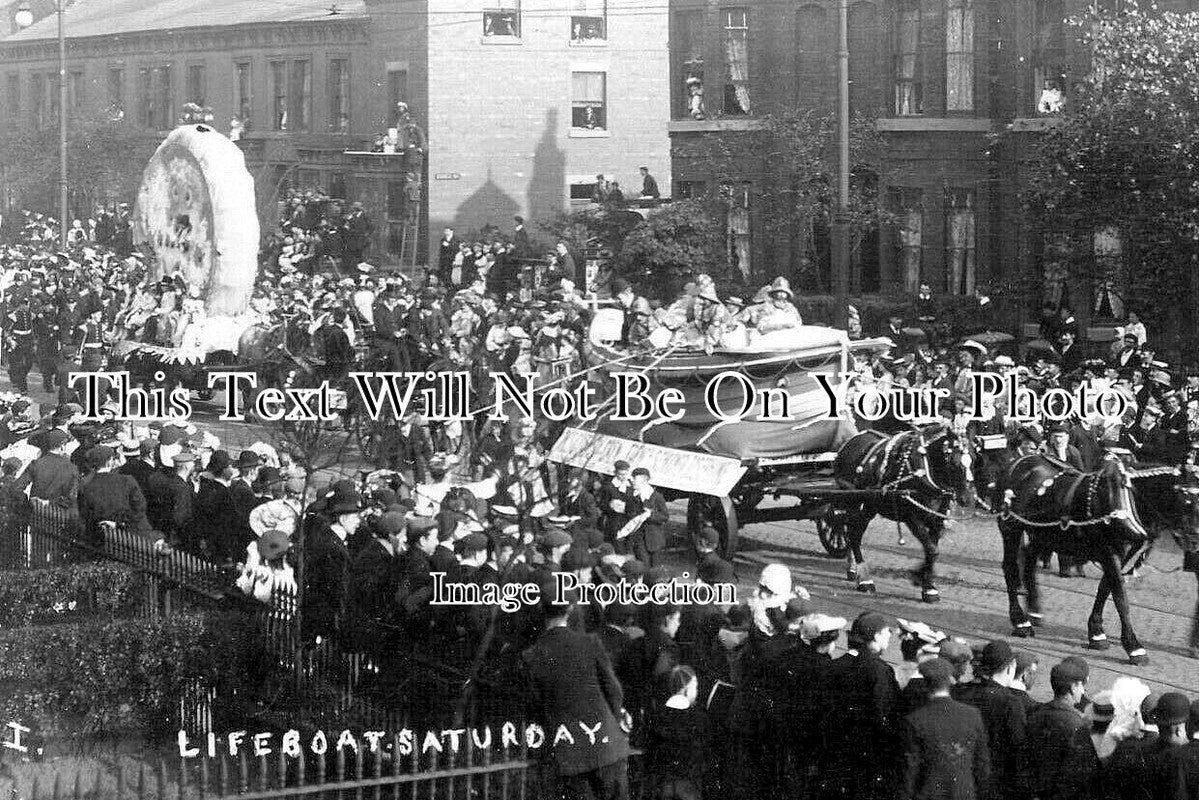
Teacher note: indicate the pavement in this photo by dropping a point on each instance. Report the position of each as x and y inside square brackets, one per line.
[973, 596]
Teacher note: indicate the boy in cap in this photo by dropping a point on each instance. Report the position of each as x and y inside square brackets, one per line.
[1062, 760]
[112, 497]
[863, 753]
[1003, 716]
[51, 476]
[943, 726]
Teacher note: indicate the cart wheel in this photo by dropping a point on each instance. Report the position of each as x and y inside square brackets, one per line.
[831, 530]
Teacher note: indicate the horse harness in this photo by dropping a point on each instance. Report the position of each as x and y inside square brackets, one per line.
[1091, 479]
[906, 473]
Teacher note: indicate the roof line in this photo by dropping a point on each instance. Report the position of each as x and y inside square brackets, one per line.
[342, 19]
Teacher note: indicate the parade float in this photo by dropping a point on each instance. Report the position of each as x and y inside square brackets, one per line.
[196, 213]
[755, 423]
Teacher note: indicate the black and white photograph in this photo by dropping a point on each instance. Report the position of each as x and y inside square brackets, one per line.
[599, 399]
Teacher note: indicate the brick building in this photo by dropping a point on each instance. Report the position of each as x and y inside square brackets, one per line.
[939, 76]
[522, 101]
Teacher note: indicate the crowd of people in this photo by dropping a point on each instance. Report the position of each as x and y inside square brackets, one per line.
[746, 698]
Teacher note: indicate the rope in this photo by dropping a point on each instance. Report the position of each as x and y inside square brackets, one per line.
[1064, 524]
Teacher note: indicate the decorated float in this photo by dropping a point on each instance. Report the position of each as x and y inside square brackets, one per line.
[195, 212]
[727, 467]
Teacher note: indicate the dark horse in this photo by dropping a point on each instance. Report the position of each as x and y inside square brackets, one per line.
[1087, 515]
[914, 475]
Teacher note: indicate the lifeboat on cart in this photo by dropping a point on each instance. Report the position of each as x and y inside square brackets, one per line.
[757, 420]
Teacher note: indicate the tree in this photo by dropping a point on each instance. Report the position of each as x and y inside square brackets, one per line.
[792, 161]
[104, 161]
[1113, 188]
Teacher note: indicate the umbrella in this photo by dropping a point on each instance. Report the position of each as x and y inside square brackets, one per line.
[913, 333]
[991, 338]
[1039, 344]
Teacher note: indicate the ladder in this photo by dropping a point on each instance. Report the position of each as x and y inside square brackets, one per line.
[410, 229]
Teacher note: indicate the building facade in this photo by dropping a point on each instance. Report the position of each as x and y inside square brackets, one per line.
[939, 78]
[522, 103]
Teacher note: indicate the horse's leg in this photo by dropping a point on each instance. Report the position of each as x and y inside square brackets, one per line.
[1128, 637]
[1013, 536]
[855, 526]
[1032, 590]
[853, 542]
[929, 536]
[1096, 637]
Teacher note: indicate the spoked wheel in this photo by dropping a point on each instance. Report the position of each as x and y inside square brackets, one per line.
[831, 530]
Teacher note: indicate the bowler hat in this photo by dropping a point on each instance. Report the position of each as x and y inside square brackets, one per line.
[1172, 709]
[247, 459]
[218, 462]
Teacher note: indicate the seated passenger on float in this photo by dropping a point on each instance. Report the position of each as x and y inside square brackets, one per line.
[780, 312]
[638, 319]
[705, 328]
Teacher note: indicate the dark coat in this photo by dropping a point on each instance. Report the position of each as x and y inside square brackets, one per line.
[1005, 720]
[1182, 764]
[1061, 757]
[582, 506]
[111, 496]
[326, 576]
[214, 520]
[139, 470]
[51, 477]
[863, 750]
[945, 752]
[653, 530]
[371, 595]
[169, 502]
[571, 682]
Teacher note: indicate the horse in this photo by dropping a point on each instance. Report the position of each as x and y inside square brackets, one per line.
[915, 475]
[1091, 515]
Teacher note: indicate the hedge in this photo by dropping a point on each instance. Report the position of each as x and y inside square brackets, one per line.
[104, 676]
[57, 594]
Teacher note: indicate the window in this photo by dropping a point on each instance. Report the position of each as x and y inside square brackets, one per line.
[300, 95]
[162, 92]
[12, 103]
[339, 95]
[690, 190]
[582, 190]
[588, 109]
[244, 91]
[959, 241]
[503, 21]
[40, 107]
[196, 88]
[959, 56]
[116, 93]
[337, 185]
[736, 60]
[1109, 280]
[867, 60]
[395, 199]
[155, 86]
[1049, 58]
[688, 43]
[397, 87]
[813, 41]
[74, 93]
[909, 90]
[908, 205]
[588, 20]
[278, 92]
[737, 235]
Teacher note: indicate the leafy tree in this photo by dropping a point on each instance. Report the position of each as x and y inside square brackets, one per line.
[1123, 160]
[104, 162]
[792, 160]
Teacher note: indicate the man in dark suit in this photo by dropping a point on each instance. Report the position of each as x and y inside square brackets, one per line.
[214, 521]
[245, 500]
[142, 463]
[944, 744]
[520, 238]
[170, 497]
[648, 505]
[447, 249]
[51, 476]
[108, 496]
[357, 239]
[579, 502]
[649, 186]
[572, 684]
[327, 572]
[1058, 447]
[414, 587]
[1062, 760]
[1071, 352]
[370, 601]
[391, 330]
[1004, 718]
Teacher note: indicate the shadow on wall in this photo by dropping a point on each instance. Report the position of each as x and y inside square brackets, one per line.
[547, 186]
[488, 204]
